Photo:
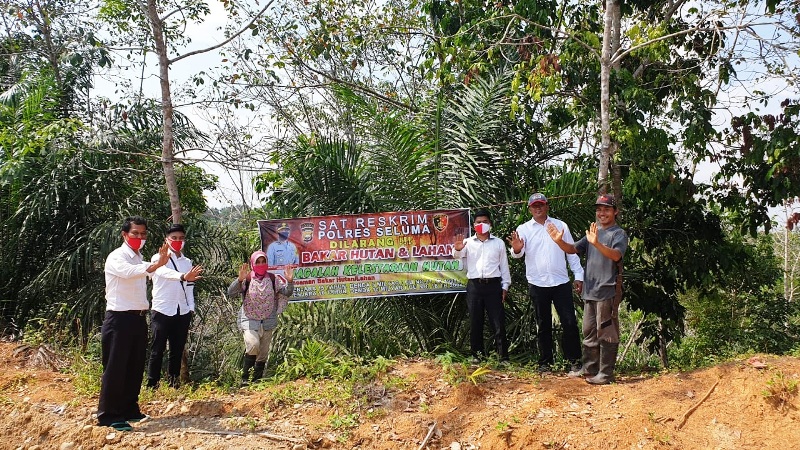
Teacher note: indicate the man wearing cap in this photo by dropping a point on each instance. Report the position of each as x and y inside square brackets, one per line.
[488, 279]
[173, 304]
[605, 244]
[548, 281]
[282, 251]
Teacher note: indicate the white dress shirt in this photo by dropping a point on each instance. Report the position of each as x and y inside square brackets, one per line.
[485, 259]
[170, 294]
[544, 259]
[126, 280]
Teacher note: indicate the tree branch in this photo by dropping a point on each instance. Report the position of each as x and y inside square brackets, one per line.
[358, 87]
[621, 55]
[226, 41]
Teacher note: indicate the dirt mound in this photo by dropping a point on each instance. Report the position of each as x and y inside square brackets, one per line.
[737, 405]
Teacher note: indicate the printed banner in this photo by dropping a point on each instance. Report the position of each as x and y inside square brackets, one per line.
[368, 255]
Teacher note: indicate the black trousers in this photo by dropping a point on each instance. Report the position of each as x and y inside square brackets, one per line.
[124, 346]
[486, 299]
[544, 298]
[167, 329]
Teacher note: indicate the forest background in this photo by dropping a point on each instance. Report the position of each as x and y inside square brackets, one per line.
[353, 107]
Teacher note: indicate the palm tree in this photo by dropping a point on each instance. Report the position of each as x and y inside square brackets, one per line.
[391, 161]
[65, 190]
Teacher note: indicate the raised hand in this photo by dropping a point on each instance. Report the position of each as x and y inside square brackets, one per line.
[555, 234]
[163, 255]
[516, 242]
[193, 274]
[591, 233]
[244, 272]
[459, 242]
[288, 272]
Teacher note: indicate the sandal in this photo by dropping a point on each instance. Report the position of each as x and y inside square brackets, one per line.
[121, 426]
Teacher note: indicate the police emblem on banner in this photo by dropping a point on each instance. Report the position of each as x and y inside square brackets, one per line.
[440, 222]
[308, 231]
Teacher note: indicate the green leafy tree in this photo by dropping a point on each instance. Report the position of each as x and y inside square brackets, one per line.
[71, 168]
[764, 150]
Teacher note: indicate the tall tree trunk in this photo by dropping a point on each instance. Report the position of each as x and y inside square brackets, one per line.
[786, 280]
[606, 146]
[662, 344]
[616, 173]
[167, 139]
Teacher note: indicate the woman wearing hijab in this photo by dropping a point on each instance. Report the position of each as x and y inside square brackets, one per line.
[264, 297]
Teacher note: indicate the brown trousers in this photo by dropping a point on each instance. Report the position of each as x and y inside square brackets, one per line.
[600, 322]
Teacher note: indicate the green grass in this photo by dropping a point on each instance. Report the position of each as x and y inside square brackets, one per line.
[780, 389]
[346, 421]
[86, 373]
[395, 383]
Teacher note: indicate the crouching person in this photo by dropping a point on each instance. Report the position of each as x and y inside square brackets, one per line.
[264, 297]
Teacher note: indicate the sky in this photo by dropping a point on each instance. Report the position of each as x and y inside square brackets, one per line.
[235, 187]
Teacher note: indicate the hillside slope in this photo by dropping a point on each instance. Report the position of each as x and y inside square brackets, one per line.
[416, 404]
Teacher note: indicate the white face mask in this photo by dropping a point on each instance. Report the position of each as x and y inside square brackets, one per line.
[482, 228]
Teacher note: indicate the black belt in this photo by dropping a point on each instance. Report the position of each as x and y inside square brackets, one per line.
[135, 312]
[485, 280]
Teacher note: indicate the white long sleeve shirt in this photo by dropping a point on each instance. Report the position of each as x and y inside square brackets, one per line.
[485, 259]
[171, 295]
[126, 280]
[545, 264]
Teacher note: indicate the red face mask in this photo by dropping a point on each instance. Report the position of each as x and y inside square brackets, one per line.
[176, 246]
[260, 269]
[136, 243]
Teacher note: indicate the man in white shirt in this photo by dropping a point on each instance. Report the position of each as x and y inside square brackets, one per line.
[124, 331]
[488, 279]
[548, 281]
[173, 304]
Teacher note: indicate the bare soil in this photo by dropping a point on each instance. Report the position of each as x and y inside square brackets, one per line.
[722, 407]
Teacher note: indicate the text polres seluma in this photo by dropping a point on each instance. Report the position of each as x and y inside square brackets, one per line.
[366, 227]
